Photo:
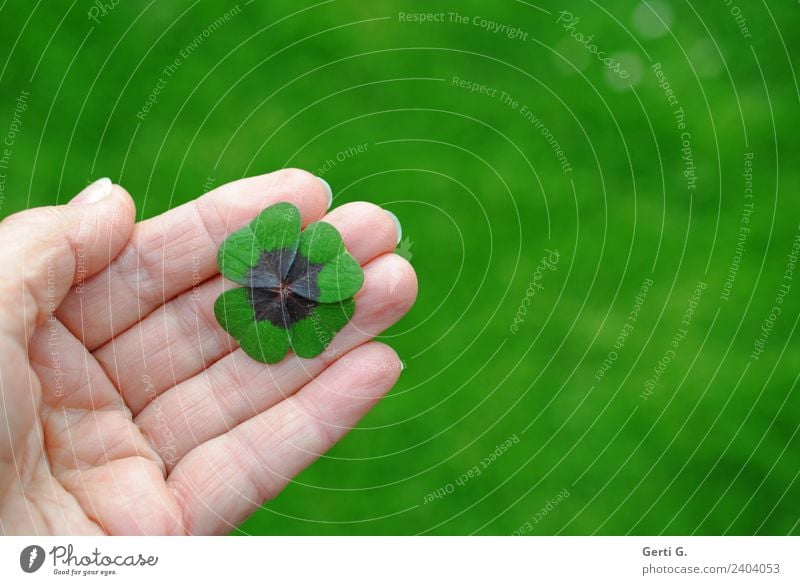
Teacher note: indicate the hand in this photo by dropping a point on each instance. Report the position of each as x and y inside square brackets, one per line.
[125, 408]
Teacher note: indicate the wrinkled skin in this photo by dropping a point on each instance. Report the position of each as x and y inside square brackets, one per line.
[125, 408]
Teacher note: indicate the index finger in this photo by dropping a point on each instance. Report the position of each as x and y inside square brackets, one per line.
[172, 253]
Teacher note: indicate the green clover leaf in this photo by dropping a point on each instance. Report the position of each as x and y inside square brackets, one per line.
[297, 287]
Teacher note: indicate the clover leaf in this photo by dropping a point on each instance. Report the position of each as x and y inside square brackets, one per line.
[297, 287]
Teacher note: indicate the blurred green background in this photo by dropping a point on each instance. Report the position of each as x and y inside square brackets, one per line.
[660, 421]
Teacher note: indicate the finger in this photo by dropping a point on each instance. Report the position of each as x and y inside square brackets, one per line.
[181, 338]
[48, 249]
[45, 252]
[367, 230]
[175, 251]
[226, 479]
[80, 403]
[237, 388]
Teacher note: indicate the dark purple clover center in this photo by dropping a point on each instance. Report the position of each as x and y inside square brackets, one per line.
[282, 287]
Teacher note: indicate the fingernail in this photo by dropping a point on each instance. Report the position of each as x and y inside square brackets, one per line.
[328, 189]
[402, 365]
[397, 225]
[94, 192]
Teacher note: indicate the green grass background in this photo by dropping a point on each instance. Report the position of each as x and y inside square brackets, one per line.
[481, 196]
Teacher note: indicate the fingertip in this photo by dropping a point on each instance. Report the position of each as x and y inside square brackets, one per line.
[127, 204]
[390, 286]
[385, 361]
[104, 191]
[93, 192]
[367, 229]
[308, 192]
[236, 203]
[364, 373]
[406, 276]
[116, 210]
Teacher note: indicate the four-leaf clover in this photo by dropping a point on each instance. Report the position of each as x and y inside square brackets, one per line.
[297, 287]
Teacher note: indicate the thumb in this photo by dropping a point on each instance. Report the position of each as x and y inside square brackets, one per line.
[47, 250]
[44, 252]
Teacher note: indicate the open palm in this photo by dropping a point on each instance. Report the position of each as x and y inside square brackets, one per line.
[125, 408]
